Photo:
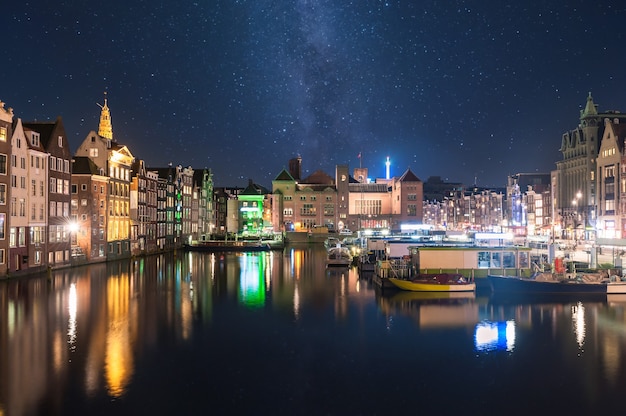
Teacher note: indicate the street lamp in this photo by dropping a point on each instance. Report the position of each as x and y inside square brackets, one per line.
[576, 215]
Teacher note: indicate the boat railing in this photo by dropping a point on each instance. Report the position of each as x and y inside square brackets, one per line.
[398, 268]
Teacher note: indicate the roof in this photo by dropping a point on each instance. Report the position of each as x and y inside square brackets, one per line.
[284, 176]
[409, 176]
[82, 165]
[319, 177]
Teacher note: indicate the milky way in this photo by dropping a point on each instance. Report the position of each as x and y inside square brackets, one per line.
[466, 90]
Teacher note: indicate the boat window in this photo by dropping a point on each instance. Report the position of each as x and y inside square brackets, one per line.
[523, 260]
[496, 260]
[508, 260]
[483, 259]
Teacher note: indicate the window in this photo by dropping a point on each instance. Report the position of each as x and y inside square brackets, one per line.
[2, 225]
[308, 210]
[3, 164]
[74, 188]
[3, 133]
[53, 162]
[93, 152]
[33, 187]
[60, 141]
[2, 256]
[35, 139]
[3, 194]
[411, 210]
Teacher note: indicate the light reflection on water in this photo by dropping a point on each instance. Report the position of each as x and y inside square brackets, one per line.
[87, 333]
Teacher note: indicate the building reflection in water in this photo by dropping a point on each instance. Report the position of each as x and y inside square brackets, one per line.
[87, 326]
[252, 279]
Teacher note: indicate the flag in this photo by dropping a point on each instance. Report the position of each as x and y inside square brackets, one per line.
[359, 155]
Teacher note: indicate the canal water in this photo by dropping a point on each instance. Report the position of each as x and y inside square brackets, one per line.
[276, 333]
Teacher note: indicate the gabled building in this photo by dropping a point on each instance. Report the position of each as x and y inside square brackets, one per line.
[611, 183]
[54, 141]
[166, 208]
[203, 185]
[90, 188]
[37, 161]
[138, 209]
[576, 174]
[225, 217]
[143, 209]
[252, 216]
[6, 133]
[407, 196]
[116, 161]
[21, 191]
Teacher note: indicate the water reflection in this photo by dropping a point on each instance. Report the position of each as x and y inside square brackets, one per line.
[432, 310]
[90, 329]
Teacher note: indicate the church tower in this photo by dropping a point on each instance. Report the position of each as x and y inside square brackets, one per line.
[105, 128]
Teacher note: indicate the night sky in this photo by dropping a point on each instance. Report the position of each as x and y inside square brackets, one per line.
[471, 91]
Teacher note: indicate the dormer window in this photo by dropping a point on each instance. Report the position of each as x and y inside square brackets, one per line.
[60, 141]
[35, 139]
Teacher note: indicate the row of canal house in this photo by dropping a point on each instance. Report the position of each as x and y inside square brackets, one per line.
[102, 203]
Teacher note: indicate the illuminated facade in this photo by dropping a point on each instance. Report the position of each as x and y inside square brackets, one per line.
[611, 175]
[89, 211]
[37, 162]
[344, 202]
[577, 198]
[54, 142]
[116, 161]
[250, 210]
[6, 132]
[20, 192]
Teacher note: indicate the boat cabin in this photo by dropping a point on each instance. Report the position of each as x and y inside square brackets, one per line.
[475, 262]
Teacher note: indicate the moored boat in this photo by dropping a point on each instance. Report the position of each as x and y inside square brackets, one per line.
[241, 245]
[442, 282]
[339, 256]
[550, 283]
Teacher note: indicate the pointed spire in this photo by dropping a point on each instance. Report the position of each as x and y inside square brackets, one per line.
[590, 108]
[105, 128]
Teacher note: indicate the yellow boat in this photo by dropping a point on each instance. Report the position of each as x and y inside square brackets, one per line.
[438, 284]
